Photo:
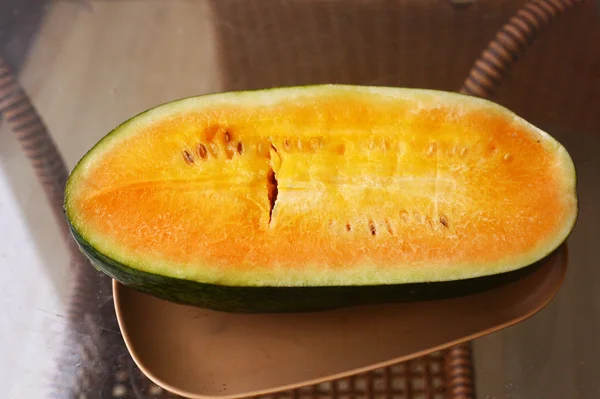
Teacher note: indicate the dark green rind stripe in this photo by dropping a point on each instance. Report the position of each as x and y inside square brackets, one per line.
[289, 299]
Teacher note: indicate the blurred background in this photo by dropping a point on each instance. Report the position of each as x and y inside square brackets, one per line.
[87, 65]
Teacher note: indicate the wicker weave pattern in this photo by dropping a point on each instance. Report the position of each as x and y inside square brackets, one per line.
[510, 42]
[18, 111]
[459, 372]
[421, 378]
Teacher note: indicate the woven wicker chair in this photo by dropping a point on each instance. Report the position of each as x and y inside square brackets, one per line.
[105, 362]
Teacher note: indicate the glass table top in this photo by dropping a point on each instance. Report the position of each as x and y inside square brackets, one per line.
[88, 65]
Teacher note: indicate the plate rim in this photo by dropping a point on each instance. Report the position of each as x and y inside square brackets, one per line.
[562, 251]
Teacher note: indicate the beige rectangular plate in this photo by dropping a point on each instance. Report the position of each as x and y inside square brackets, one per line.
[199, 353]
